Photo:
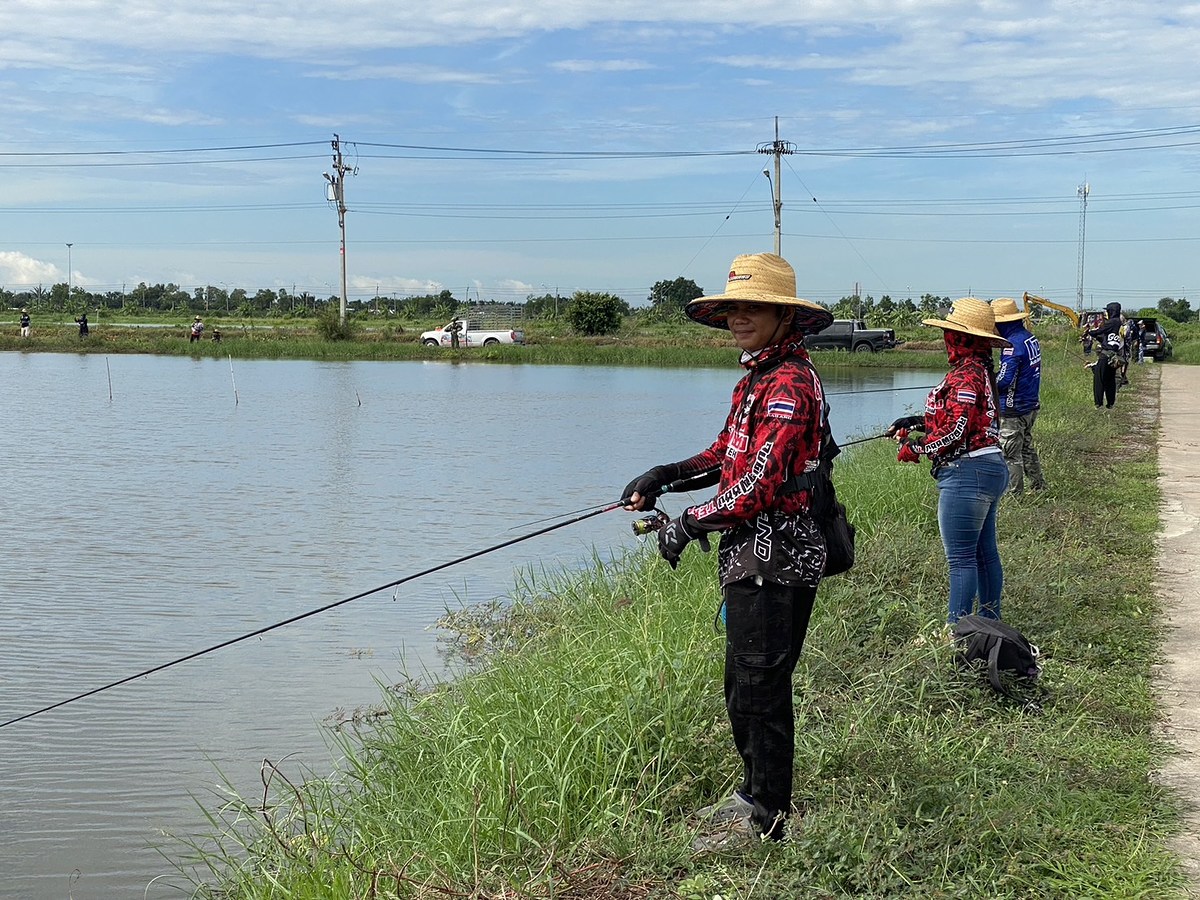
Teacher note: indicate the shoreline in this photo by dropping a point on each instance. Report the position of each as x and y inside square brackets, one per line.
[581, 747]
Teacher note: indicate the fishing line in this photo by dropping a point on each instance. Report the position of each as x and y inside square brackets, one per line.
[707, 478]
[678, 486]
[915, 387]
[312, 612]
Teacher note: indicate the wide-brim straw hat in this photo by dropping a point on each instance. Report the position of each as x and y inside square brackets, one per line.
[759, 278]
[1005, 310]
[971, 315]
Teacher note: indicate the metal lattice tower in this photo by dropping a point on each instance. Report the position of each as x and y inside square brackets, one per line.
[1083, 190]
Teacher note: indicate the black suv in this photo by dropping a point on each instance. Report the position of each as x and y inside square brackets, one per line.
[1155, 343]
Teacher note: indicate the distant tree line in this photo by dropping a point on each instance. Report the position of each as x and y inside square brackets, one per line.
[586, 312]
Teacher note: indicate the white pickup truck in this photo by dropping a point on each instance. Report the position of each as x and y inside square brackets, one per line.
[471, 334]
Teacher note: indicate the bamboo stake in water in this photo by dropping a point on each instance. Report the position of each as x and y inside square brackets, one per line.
[109, 370]
[234, 380]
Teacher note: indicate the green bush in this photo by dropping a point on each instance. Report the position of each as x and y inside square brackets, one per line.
[593, 314]
[330, 324]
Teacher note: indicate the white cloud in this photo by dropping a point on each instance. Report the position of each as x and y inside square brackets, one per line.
[601, 65]
[413, 74]
[389, 284]
[19, 272]
[514, 286]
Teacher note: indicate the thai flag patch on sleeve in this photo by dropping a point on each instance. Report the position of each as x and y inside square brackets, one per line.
[965, 397]
[781, 409]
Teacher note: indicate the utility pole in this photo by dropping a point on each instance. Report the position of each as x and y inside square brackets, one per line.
[335, 193]
[1082, 191]
[69, 246]
[777, 148]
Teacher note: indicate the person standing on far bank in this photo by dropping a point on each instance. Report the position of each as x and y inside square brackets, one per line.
[1107, 337]
[772, 553]
[1019, 383]
[24, 323]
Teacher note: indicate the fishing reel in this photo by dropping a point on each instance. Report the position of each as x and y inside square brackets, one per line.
[644, 526]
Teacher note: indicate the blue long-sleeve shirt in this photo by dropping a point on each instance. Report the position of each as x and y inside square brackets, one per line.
[1019, 380]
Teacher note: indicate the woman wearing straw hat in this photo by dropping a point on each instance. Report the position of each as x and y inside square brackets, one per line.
[771, 553]
[1019, 385]
[961, 427]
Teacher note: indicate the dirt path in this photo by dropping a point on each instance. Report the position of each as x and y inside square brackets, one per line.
[1178, 678]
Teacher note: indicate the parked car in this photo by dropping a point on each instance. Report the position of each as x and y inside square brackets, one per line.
[852, 335]
[471, 334]
[1155, 342]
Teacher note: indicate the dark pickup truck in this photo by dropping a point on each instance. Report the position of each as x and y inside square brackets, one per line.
[852, 335]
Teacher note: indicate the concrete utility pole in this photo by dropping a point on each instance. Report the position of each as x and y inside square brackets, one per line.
[69, 246]
[777, 148]
[335, 193]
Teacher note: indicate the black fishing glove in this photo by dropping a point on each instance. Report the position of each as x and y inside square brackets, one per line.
[907, 423]
[676, 535]
[650, 484]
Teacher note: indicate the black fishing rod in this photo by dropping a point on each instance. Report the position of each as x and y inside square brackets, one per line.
[873, 437]
[608, 507]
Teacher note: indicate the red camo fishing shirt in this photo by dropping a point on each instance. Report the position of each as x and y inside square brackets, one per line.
[961, 413]
[773, 432]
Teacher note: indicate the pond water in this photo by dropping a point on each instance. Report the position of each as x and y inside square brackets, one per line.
[157, 506]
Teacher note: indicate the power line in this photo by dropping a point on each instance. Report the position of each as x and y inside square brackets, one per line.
[219, 149]
[1100, 142]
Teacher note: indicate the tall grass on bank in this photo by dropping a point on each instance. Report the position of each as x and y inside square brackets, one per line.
[565, 766]
[691, 346]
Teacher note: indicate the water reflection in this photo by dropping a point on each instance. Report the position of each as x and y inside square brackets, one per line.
[170, 518]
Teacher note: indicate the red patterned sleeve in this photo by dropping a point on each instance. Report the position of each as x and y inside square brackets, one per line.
[782, 437]
[953, 411]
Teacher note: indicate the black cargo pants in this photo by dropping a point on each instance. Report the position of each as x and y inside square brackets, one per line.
[765, 625]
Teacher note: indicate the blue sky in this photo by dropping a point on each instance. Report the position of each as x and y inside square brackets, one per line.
[502, 150]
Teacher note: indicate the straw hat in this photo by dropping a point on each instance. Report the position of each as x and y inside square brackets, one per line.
[197, 319]
[1005, 310]
[971, 316]
[759, 278]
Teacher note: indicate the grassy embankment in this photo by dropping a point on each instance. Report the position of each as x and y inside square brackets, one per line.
[548, 342]
[664, 344]
[566, 766]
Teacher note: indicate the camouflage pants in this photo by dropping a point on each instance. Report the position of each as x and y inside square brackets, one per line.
[1016, 441]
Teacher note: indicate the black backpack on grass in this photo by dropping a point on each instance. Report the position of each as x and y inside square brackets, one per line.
[1000, 647]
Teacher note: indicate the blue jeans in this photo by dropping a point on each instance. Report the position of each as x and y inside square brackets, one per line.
[969, 496]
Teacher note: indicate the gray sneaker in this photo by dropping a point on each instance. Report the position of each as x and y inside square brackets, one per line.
[730, 834]
[737, 833]
[735, 806]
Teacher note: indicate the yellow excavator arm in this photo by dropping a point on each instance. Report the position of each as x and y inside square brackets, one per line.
[1031, 299]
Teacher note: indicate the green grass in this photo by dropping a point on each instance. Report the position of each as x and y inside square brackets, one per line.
[680, 344]
[565, 763]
